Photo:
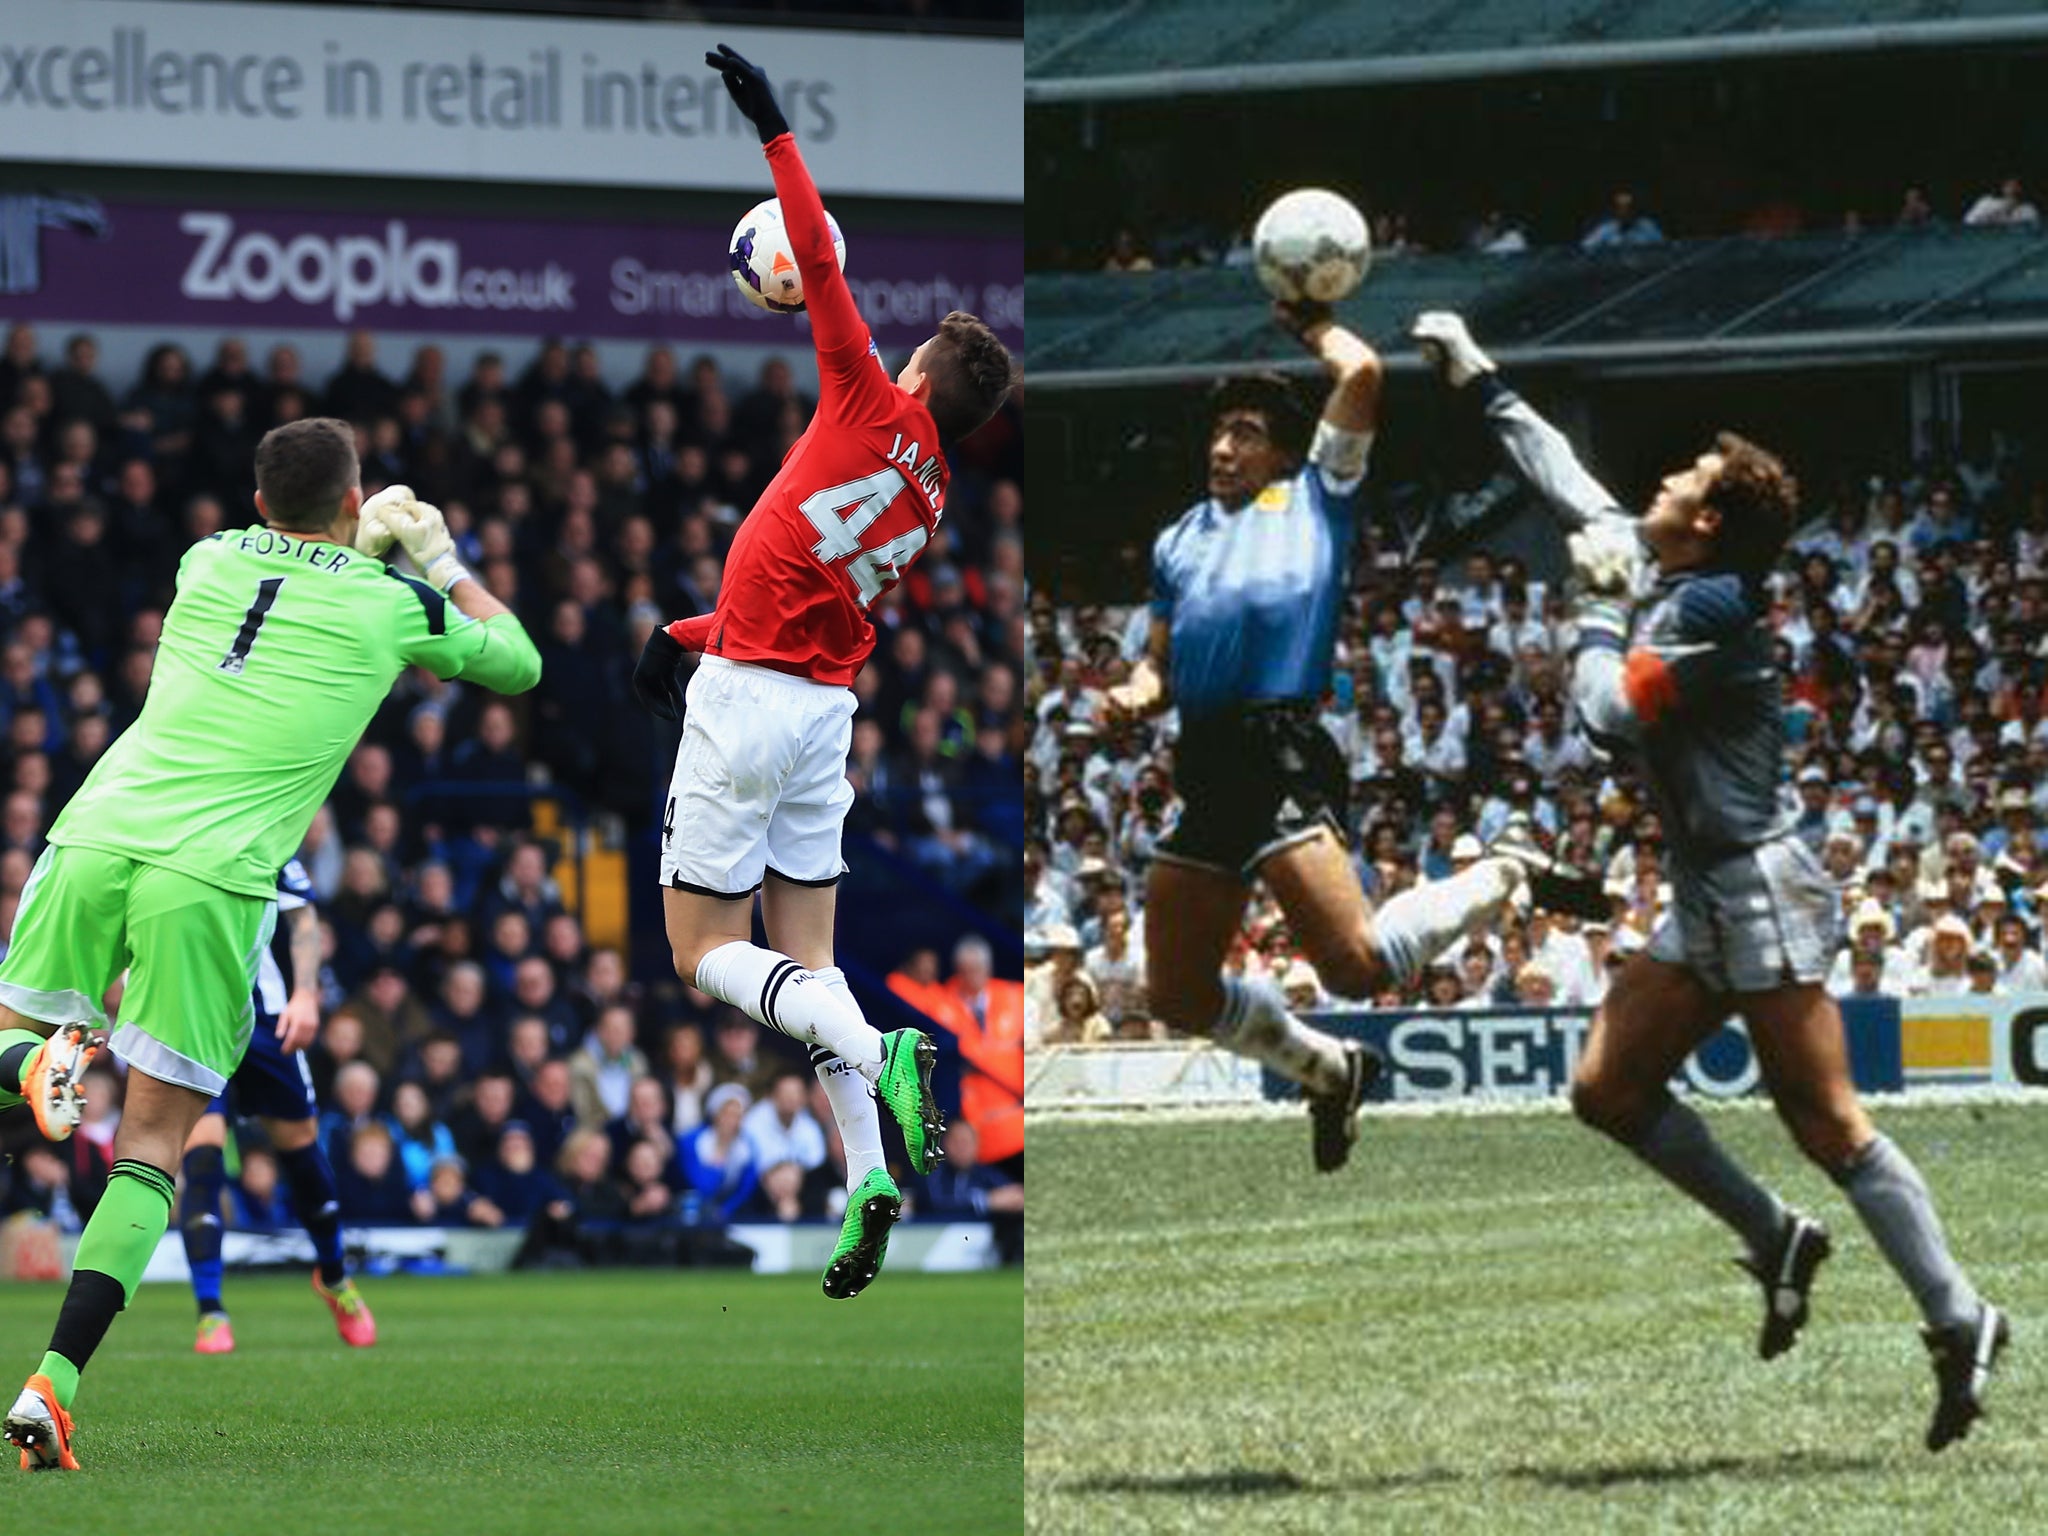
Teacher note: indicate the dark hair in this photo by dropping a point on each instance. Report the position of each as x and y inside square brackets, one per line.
[1272, 397]
[303, 469]
[1758, 501]
[971, 374]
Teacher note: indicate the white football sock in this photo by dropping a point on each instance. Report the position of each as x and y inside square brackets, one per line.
[1416, 926]
[1256, 1022]
[773, 989]
[853, 1101]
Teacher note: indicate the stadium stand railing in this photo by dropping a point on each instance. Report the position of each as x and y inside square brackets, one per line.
[1883, 296]
[1076, 52]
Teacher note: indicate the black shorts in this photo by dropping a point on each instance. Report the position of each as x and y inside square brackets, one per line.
[1251, 782]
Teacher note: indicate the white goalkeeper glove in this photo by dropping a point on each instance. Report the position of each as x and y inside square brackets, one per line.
[374, 532]
[1448, 347]
[423, 532]
[1607, 557]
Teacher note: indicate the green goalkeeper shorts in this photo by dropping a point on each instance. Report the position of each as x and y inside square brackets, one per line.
[190, 950]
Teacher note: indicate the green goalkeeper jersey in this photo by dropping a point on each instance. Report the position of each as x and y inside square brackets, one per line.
[275, 654]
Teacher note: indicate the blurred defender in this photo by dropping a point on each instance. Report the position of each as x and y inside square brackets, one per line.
[760, 791]
[281, 644]
[1247, 587]
[1690, 686]
[274, 1084]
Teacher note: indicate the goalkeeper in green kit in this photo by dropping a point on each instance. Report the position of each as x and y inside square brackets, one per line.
[281, 644]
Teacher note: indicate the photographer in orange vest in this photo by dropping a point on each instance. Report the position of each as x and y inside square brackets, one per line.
[986, 1016]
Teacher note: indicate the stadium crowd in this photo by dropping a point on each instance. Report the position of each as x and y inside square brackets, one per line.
[480, 1062]
[1498, 232]
[1911, 622]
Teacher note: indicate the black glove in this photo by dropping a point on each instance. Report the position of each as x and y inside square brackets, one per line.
[658, 679]
[750, 92]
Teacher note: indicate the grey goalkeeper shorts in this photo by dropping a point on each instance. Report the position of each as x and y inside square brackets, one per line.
[1764, 918]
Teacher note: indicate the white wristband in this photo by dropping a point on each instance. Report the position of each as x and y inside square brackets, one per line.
[1340, 451]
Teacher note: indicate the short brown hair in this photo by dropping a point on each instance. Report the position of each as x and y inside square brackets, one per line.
[971, 375]
[303, 469]
[1758, 501]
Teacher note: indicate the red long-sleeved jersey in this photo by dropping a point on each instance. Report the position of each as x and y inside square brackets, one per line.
[856, 498]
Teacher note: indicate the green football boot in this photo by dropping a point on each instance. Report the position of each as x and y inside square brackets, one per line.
[871, 1210]
[905, 1085]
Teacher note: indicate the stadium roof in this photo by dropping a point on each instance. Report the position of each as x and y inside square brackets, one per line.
[1087, 50]
[1889, 295]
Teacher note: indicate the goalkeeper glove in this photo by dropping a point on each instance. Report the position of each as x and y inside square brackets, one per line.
[750, 92]
[374, 532]
[1607, 556]
[657, 678]
[1448, 347]
[424, 533]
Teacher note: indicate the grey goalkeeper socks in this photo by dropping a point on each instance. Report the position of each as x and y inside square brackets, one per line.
[1678, 1145]
[1892, 1198]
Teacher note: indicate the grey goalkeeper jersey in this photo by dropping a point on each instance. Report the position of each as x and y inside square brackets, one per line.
[1694, 690]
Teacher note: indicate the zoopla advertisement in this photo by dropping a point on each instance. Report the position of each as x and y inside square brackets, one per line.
[72, 259]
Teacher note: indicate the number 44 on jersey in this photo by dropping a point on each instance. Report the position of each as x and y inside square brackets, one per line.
[844, 514]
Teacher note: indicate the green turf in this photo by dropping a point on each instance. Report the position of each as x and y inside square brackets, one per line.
[645, 1401]
[1501, 1324]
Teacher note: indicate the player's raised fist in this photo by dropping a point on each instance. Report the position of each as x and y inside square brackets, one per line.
[1301, 318]
[374, 533]
[423, 533]
[750, 91]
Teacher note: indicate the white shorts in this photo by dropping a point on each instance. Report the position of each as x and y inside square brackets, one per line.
[760, 782]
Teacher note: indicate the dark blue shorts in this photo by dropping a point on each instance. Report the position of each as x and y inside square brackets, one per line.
[268, 1084]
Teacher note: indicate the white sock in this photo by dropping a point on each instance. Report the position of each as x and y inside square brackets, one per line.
[1416, 926]
[853, 1101]
[1256, 1022]
[772, 989]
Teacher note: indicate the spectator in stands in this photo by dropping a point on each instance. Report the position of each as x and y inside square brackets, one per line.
[2007, 205]
[644, 1183]
[450, 1202]
[1624, 224]
[1915, 210]
[356, 1088]
[963, 1185]
[717, 1158]
[605, 1068]
[689, 1077]
[1126, 254]
[257, 1202]
[370, 1183]
[513, 1180]
[782, 1129]
[420, 1140]
[1498, 235]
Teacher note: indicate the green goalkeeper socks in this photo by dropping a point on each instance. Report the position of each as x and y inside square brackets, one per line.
[16, 1046]
[127, 1224]
[117, 1246]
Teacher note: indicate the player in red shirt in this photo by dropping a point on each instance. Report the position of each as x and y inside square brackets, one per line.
[760, 790]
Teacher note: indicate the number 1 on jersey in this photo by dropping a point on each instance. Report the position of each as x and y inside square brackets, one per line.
[238, 653]
[874, 570]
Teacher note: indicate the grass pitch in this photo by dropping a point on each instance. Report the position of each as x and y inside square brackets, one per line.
[593, 1403]
[1502, 1324]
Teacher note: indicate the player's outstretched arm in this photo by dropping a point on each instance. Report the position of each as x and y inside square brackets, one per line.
[1539, 453]
[1351, 414]
[505, 660]
[508, 662]
[835, 319]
